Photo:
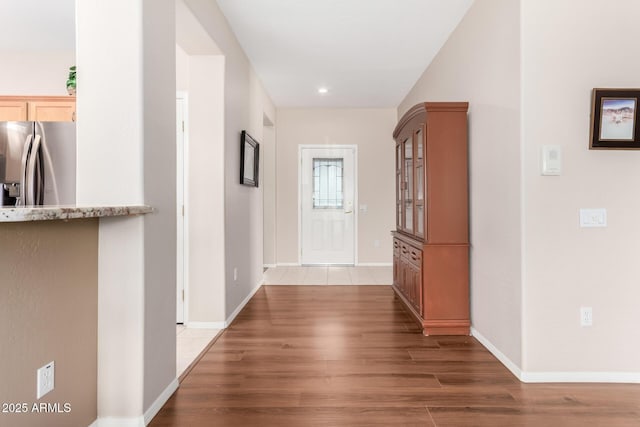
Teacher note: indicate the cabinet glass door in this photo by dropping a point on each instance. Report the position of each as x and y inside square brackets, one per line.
[408, 184]
[420, 182]
[399, 186]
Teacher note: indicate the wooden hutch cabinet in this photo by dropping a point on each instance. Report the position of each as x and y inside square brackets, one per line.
[431, 241]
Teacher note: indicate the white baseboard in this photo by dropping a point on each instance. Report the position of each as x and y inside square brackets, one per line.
[360, 264]
[328, 284]
[269, 265]
[242, 304]
[508, 363]
[556, 377]
[119, 422]
[206, 325]
[160, 401]
[226, 323]
[141, 421]
[581, 377]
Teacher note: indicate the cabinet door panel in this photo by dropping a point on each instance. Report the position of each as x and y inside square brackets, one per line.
[414, 284]
[13, 111]
[52, 111]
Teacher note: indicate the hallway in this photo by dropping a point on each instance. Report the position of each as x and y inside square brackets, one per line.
[349, 355]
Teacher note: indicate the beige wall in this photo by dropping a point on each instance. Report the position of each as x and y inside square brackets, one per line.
[245, 104]
[35, 72]
[268, 183]
[528, 78]
[569, 48]
[480, 63]
[371, 130]
[48, 311]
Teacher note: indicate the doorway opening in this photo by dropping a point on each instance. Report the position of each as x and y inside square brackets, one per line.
[181, 227]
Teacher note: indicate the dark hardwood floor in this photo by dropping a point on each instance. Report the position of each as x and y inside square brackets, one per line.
[350, 356]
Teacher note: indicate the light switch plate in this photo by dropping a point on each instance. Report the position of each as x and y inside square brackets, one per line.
[551, 160]
[593, 217]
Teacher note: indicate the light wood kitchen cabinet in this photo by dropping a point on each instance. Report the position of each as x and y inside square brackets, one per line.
[40, 108]
[13, 110]
[431, 241]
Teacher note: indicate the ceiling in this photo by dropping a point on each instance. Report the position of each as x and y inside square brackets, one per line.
[367, 53]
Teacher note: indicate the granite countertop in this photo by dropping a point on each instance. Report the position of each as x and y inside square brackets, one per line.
[44, 213]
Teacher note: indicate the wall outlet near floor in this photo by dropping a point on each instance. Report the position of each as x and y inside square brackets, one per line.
[376, 243]
[586, 316]
[46, 376]
[235, 273]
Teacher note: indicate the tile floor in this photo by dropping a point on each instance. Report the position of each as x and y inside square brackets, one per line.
[190, 343]
[329, 275]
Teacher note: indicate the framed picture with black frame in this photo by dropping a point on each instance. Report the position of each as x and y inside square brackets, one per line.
[249, 160]
[614, 119]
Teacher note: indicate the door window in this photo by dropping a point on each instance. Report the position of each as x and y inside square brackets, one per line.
[327, 183]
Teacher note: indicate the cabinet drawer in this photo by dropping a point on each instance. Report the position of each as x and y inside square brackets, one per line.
[396, 247]
[415, 257]
[404, 250]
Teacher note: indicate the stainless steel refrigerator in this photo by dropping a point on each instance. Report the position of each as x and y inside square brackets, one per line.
[37, 163]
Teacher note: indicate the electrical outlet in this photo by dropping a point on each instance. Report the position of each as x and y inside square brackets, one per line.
[586, 316]
[235, 274]
[46, 377]
[376, 243]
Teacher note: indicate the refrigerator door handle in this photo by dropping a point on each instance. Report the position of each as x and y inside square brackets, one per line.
[23, 170]
[33, 175]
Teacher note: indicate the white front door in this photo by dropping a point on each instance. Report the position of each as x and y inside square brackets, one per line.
[180, 231]
[327, 200]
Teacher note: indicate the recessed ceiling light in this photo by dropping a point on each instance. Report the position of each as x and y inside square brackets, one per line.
[323, 90]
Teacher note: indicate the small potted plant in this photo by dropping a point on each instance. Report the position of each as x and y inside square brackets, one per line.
[71, 81]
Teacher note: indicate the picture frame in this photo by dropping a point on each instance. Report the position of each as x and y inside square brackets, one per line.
[615, 122]
[249, 160]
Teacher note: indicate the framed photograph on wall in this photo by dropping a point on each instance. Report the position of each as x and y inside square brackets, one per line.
[249, 160]
[614, 119]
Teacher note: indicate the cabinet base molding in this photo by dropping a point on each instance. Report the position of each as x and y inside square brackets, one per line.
[434, 327]
[446, 327]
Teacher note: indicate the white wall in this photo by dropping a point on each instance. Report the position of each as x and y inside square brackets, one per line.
[371, 130]
[205, 197]
[245, 103]
[121, 257]
[569, 48]
[480, 63]
[159, 121]
[200, 68]
[35, 72]
[126, 155]
[182, 69]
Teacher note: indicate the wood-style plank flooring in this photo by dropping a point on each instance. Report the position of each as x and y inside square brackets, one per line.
[350, 356]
